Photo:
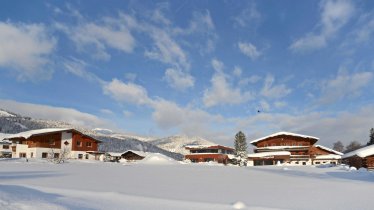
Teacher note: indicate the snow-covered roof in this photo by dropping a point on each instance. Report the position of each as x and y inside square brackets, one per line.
[140, 153]
[118, 154]
[283, 133]
[363, 152]
[265, 154]
[4, 136]
[328, 157]
[28, 134]
[328, 149]
[207, 146]
[115, 154]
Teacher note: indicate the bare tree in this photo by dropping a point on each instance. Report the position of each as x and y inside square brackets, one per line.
[58, 157]
[352, 146]
[338, 146]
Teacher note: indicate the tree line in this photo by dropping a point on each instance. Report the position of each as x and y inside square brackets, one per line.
[353, 145]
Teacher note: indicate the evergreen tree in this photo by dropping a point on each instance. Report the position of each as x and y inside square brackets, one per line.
[371, 140]
[338, 146]
[241, 148]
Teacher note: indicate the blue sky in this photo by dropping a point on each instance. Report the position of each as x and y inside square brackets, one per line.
[200, 68]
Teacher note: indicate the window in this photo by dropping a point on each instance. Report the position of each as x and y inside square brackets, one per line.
[22, 155]
[44, 155]
[56, 155]
[294, 144]
[87, 156]
[273, 144]
[265, 145]
[208, 159]
[5, 146]
[51, 142]
[80, 156]
[88, 144]
[32, 155]
[79, 143]
[300, 144]
[317, 163]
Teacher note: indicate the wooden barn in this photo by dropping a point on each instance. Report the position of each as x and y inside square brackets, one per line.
[361, 158]
[209, 153]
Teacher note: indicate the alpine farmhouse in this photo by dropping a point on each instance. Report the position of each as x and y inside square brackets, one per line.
[291, 148]
[42, 143]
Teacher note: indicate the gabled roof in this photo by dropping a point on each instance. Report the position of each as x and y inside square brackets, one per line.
[189, 147]
[285, 134]
[328, 149]
[363, 152]
[28, 134]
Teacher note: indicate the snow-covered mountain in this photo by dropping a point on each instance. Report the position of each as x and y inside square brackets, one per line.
[176, 143]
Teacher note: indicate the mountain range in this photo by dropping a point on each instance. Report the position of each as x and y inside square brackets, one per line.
[172, 146]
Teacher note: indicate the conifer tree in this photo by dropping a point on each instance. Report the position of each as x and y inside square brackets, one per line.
[241, 148]
[371, 140]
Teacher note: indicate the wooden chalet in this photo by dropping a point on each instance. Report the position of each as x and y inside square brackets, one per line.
[208, 153]
[361, 158]
[291, 148]
[42, 143]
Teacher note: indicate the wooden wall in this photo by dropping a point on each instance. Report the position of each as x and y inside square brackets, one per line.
[285, 141]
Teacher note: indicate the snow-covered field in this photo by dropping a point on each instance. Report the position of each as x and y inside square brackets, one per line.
[171, 185]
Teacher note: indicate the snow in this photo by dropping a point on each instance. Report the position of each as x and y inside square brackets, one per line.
[363, 152]
[157, 159]
[98, 185]
[265, 154]
[283, 133]
[328, 149]
[328, 157]
[4, 136]
[5, 114]
[28, 134]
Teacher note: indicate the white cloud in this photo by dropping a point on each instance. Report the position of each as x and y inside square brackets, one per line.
[280, 104]
[178, 79]
[97, 38]
[252, 79]
[126, 92]
[344, 85]
[334, 15]
[167, 50]
[217, 65]
[127, 113]
[344, 126]
[248, 16]
[189, 121]
[26, 48]
[274, 91]
[106, 111]
[237, 71]
[249, 50]
[265, 106]
[68, 115]
[221, 92]
[79, 68]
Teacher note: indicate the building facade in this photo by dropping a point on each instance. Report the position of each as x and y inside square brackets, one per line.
[291, 148]
[44, 143]
[5, 149]
[209, 153]
[361, 158]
